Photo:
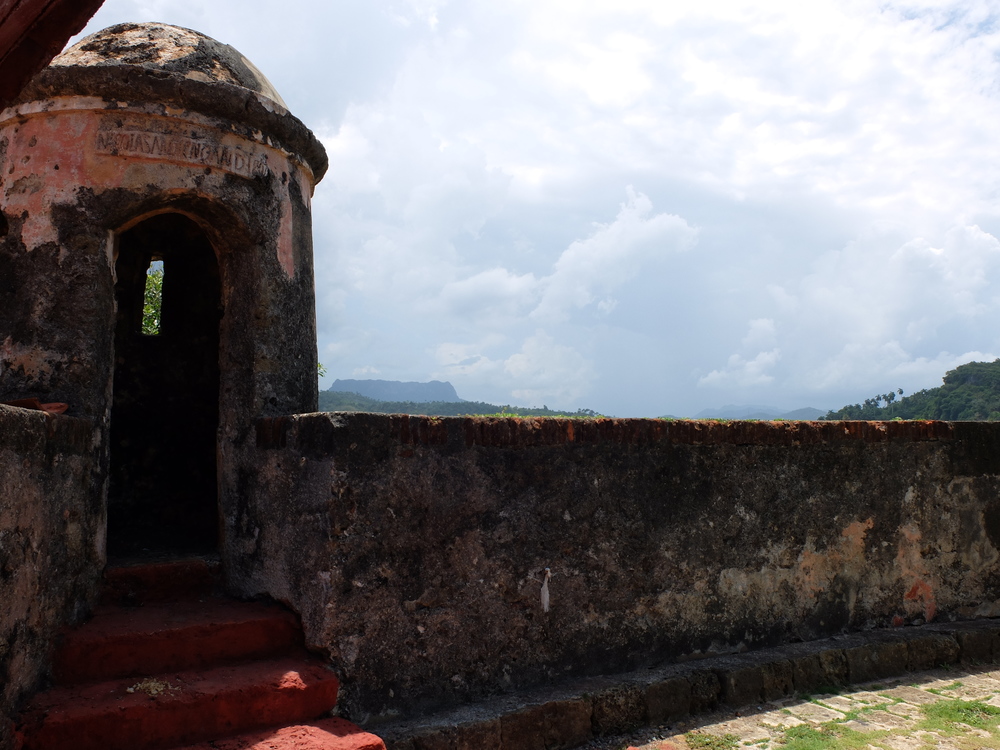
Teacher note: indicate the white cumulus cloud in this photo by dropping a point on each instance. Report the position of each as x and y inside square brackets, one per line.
[612, 255]
[545, 369]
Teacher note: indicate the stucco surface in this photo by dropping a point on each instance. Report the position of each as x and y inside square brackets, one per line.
[416, 548]
[119, 131]
[64, 203]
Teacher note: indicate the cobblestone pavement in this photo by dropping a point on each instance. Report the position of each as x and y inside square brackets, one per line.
[951, 708]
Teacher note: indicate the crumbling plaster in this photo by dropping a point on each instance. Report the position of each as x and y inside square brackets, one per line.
[132, 121]
[64, 203]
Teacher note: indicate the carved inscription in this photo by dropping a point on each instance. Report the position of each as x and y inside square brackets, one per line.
[181, 149]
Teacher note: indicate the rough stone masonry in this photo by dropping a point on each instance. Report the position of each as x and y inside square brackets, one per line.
[416, 548]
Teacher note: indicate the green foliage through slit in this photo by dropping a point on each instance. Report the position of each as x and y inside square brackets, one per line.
[152, 301]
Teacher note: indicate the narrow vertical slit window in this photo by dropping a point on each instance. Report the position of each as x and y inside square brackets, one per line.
[152, 300]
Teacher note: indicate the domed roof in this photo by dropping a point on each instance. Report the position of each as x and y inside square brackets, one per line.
[171, 49]
[171, 67]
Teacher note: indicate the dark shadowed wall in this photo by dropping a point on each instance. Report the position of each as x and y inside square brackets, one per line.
[51, 542]
[415, 548]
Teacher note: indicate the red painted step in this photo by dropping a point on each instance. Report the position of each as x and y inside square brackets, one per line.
[161, 664]
[327, 734]
[174, 636]
[175, 708]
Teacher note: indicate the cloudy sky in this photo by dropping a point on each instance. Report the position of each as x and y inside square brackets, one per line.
[642, 207]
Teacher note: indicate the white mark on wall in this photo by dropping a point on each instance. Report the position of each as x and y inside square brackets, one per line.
[545, 590]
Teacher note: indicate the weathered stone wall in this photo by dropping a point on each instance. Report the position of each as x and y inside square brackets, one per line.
[51, 542]
[130, 123]
[67, 190]
[415, 548]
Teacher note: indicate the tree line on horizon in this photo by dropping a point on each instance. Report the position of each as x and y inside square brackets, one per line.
[971, 392]
[349, 401]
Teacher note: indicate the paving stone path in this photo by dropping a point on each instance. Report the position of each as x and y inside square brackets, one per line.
[952, 708]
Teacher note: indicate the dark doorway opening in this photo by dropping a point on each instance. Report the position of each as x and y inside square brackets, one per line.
[162, 496]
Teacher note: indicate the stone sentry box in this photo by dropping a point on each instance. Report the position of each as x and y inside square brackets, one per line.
[144, 143]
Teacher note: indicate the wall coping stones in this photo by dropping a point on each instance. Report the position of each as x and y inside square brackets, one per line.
[316, 432]
[32, 430]
[571, 714]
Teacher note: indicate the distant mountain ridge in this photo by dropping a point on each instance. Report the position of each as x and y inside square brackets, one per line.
[745, 411]
[350, 401]
[397, 390]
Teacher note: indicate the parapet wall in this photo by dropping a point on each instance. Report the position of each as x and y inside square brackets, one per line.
[51, 542]
[415, 549]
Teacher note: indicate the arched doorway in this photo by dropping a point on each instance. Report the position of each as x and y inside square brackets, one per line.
[163, 496]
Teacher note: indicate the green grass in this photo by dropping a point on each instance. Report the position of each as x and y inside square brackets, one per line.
[699, 741]
[951, 718]
[944, 716]
[829, 736]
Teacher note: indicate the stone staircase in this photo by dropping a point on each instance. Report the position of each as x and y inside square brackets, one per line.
[166, 664]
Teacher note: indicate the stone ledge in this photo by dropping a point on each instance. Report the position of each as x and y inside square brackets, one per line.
[28, 430]
[318, 432]
[567, 716]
